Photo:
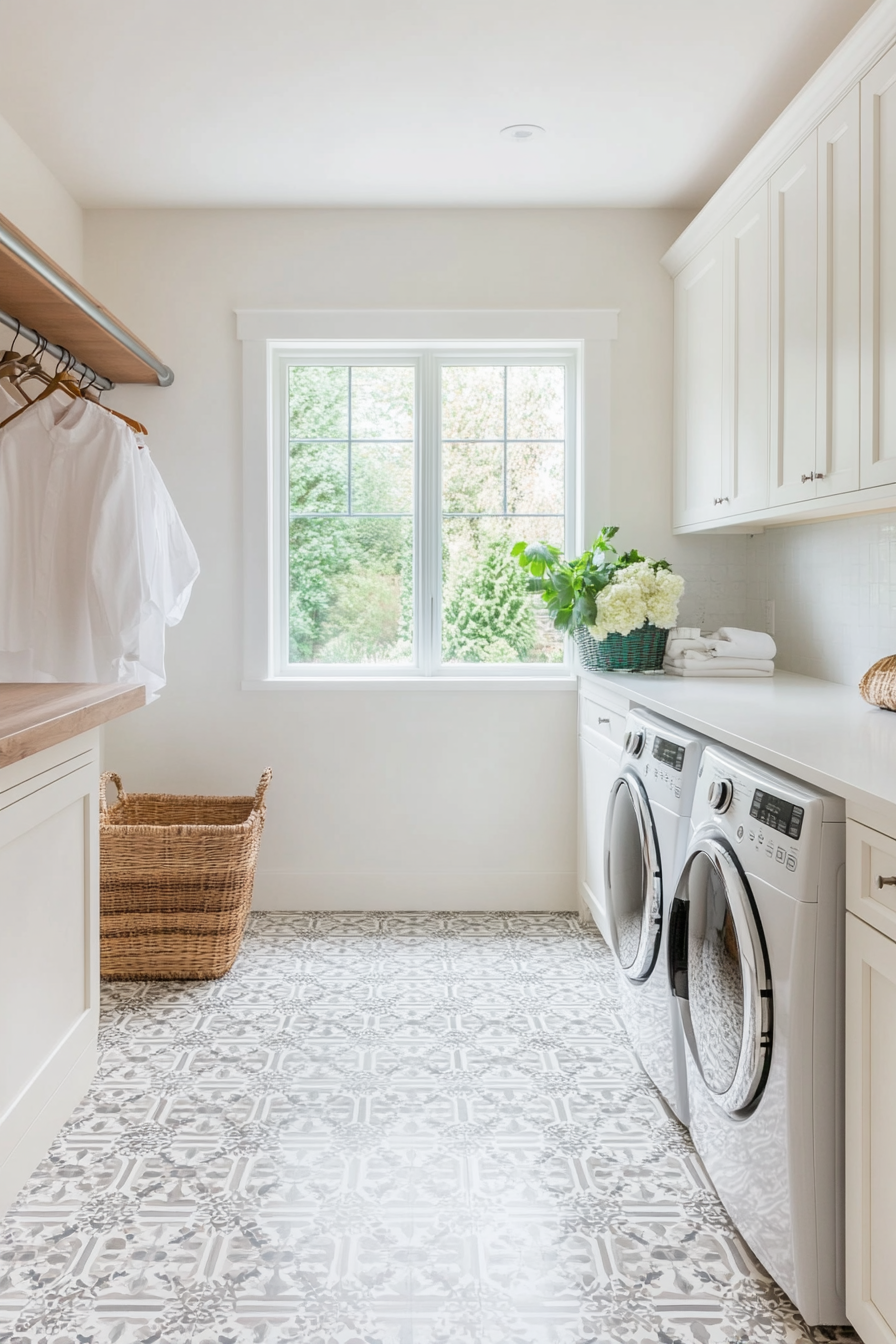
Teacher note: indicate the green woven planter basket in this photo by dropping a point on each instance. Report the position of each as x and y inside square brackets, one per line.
[641, 651]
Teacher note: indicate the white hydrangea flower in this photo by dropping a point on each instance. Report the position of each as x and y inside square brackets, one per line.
[620, 608]
[662, 604]
[637, 594]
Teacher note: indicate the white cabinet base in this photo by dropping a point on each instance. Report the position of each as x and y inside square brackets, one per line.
[870, 1148]
[49, 949]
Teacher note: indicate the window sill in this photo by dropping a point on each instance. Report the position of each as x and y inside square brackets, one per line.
[563, 682]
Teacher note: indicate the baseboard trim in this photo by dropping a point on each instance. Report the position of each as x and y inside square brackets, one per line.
[415, 891]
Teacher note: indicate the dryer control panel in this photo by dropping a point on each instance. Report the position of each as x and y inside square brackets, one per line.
[772, 823]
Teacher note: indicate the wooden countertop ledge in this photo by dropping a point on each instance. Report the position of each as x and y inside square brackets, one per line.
[38, 715]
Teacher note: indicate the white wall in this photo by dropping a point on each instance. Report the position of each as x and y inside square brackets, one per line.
[834, 589]
[381, 798]
[37, 203]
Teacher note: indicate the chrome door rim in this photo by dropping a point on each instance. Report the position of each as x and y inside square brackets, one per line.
[651, 922]
[756, 1039]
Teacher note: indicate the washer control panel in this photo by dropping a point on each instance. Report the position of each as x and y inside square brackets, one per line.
[665, 757]
[774, 825]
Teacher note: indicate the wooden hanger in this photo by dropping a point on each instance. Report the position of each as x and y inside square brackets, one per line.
[53, 386]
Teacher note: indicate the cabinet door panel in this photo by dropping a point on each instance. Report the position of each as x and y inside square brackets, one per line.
[878, 466]
[745, 465]
[870, 1150]
[699, 331]
[598, 768]
[794, 235]
[837, 455]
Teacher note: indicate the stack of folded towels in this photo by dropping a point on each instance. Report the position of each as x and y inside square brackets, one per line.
[727, 653]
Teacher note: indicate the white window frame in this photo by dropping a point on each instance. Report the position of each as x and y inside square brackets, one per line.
[579, 339]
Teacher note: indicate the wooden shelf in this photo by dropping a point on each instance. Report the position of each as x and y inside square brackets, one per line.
[34, 290]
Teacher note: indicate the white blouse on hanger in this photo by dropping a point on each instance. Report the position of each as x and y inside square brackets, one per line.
[94, 560]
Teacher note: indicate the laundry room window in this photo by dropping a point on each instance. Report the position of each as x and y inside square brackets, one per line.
[404, 478]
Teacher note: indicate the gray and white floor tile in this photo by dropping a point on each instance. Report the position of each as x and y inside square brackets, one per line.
[380, 1129]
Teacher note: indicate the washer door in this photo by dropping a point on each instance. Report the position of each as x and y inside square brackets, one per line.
[633, 878]
[719, 970]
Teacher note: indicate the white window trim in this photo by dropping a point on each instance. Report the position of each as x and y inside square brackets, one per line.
[585, 334]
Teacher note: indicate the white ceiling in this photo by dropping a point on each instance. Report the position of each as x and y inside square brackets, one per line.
[400, 102]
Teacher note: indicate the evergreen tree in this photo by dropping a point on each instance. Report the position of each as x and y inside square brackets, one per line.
[488, 616]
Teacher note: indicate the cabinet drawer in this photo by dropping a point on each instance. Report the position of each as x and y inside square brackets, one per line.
[871, 877]
[599, 719]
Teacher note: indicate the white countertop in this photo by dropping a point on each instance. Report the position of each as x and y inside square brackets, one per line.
[819, 731]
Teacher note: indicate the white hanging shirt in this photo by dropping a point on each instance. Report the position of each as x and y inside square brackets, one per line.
[172, 568]
[85, 567]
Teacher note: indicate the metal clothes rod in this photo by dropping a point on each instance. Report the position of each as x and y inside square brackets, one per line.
[62, 286]
[98, 383]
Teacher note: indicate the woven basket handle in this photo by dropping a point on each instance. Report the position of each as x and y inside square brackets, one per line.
[122, 796]
[262, 789]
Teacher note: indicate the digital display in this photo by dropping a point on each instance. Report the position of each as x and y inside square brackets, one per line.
[670, 753]
[777, 814]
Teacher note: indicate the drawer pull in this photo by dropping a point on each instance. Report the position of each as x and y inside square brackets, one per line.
[607, 722]
[886, 882]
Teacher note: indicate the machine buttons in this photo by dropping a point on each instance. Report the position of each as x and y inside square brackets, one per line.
[721, 792]
[780, 856]
[791, 863]
[740, 832]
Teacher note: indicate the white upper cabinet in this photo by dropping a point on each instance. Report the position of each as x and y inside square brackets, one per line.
[721, 373]
[794, 340]
[879, 273]
[746, 380]
[795, 361]
[839, 295]
[699, 328]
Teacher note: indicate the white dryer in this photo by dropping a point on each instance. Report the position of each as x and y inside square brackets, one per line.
[645, 840]
[755, 951]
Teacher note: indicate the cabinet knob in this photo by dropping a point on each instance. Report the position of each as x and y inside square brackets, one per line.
[722, 499]
[886, 882]
[819, 475]
[810, 477]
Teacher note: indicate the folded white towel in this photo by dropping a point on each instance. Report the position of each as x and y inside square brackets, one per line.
[692, 659]
[685, 632]
[731, 642]
[676, 646]
[719, 668]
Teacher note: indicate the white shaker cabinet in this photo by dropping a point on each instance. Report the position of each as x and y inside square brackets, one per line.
[839, 300]
[879, 273]
[699, 363]
[601, 730]
[794, 351]
[49, 950]
[871, 1084]
[721, 373]
[746, 373]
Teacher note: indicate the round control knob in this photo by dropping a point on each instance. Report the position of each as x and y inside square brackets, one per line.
[634, 741]
[721, 791]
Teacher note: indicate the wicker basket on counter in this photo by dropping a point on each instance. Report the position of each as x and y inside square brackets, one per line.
[641, 651]
[878, 686]
[176, 876]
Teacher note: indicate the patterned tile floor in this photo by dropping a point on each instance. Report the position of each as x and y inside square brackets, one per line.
[380, 1129]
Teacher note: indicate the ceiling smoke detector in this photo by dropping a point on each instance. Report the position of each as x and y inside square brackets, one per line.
[521, 132]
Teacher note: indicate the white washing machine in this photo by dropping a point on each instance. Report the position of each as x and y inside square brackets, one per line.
[756, 961]
[645, 840]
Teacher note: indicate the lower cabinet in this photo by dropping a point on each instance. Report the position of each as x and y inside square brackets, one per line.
[601, 729]
[49, 949]
[871, 1084]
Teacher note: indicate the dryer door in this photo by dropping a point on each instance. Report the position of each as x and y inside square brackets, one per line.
[634, 883]
[719, 970]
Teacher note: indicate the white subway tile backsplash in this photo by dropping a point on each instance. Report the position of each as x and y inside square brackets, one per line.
[834, 589]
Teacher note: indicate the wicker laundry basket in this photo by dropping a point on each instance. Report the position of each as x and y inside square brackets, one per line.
[176, 876]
